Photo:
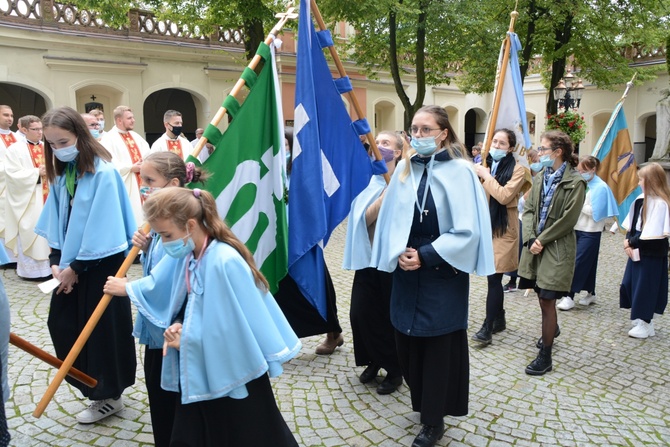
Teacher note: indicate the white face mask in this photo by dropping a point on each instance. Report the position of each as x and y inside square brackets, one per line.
[67, 154]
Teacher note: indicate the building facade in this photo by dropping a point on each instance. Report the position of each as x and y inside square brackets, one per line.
[52, 54]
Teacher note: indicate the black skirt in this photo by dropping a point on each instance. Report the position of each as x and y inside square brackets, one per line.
[109, 354]
[373, 334]
[254, 421]
[437, 371]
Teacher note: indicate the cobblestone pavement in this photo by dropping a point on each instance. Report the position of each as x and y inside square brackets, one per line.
[606, 388]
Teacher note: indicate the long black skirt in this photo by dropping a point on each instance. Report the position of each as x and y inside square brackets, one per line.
[254, 421]
[304, 319]
[109, 354]
[373, 334]
[586, 262]
[644, 288]
[437, 371]
[162, 403]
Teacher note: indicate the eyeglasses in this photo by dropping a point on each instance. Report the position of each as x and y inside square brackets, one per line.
[37, 129]
[421, 130]
[94, 125]
[544, 149]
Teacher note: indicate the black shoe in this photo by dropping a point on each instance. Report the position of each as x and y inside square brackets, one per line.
[510, 287]
[539, 343]
[541, 364]
[389, 385]
[499, 324]
[484, 336]
[429, 435]
[369, 374]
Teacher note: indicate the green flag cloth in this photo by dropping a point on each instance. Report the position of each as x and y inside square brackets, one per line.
[246, 177]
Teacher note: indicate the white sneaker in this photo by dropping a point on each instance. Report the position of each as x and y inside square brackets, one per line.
[635, 322]
[587, 300]
[100, 409]
[642, 330]
[566, 303]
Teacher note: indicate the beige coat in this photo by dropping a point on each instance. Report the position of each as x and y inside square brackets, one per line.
[506, 247]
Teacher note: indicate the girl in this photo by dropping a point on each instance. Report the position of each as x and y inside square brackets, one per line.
[644, 288]
[599, 204]
[549, 217]
[434, 225]
[88, 222]
[159, 170]
[374, 339]
[503, 183]
[224, 331]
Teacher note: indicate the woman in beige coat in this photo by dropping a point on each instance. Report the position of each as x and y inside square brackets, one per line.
[503, 183]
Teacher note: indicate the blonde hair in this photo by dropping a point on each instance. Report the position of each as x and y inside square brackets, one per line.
[181, 204]
[120, 110]
[655, 184]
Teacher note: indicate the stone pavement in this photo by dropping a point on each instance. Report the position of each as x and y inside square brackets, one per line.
[606, 388]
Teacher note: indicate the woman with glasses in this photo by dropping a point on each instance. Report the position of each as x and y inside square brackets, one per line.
[503, 182]
[549, 217]
[433, 230]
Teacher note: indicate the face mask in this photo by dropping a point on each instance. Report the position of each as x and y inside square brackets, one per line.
[546, 161]
[424, 145]
[95, 133]
[386, 153]
[536, 167]
[588, 176]
[102, 124]
[176, 130]
[497, 154]
[67, 154]
[179, 249]
[145, 191]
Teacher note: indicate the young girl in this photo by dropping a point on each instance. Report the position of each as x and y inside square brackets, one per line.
[644, 288]
[224, 332]
[599, 204]
[88, 222]
[159, 170]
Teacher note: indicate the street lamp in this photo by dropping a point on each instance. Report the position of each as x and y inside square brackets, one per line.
[564, 88]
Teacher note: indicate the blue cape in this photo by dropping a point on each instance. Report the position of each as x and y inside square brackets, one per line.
[232, 331]
[465, 239]
[602, 200]
[149, 334]
[101, 222]
[358, 249]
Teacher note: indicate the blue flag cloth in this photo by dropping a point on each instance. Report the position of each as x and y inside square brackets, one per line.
[617, 161]
[330, 164]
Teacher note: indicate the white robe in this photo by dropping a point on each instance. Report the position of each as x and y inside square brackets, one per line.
[160, 145]
[121, 159]
[23, 205]
[3, 186]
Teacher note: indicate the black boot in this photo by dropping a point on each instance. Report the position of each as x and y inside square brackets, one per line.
[484, 336]
[541, 364]
[499, 324]
[540, 343]
[429, 435]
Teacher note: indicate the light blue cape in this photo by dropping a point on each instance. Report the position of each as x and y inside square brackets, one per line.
[232, 331]
[101, 222]
[465, 239]
[602, 200]
[358, 249]
[148, 333]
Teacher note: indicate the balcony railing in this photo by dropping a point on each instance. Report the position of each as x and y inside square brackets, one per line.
[49, 14]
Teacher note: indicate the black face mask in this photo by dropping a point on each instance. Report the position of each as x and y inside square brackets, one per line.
[176, 130]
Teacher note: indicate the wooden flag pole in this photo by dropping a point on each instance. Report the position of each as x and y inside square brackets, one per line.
[85, 334]
[499, 88]
[50, 359]
[283, 18]
[350, 94]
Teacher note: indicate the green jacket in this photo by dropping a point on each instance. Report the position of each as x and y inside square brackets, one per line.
[554, 267]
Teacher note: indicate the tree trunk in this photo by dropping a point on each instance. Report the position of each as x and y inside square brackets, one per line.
[254, 35]
[563, 32]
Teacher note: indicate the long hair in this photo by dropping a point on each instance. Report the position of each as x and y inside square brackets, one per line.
[170, 165]
[655, 184]
[590, 163]
[561, 140]
[181, 204]
[451, 144]
[70, 120]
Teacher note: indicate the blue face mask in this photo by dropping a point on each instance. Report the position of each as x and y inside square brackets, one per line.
[102, 124]
[145, 191]
[497, 154]
[424, 145]
[546, 161]
[588, 176]
[179, 249]
[536, 167]
[95, 133]
[67, 154]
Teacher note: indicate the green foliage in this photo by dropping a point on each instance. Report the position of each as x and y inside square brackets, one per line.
[570, 122]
